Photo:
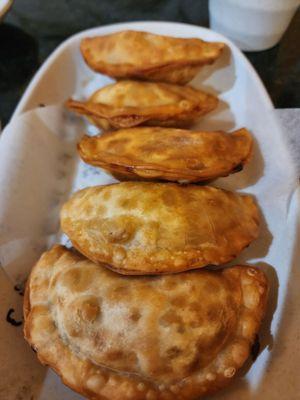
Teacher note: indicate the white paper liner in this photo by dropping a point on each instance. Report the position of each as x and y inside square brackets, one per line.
[39, 168]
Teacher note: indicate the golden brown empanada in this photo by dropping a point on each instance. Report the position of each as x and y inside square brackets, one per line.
[129, 103]
[168, 154]
[112, 337]
[153, 228]
[144, 55]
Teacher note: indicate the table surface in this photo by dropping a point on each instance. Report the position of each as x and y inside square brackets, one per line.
[34, 28]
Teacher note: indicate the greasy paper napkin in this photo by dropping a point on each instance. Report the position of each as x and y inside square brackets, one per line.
[39, 168]
[290, 121]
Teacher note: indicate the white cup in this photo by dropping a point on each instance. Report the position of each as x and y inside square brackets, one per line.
[4, 7]
[252, 24]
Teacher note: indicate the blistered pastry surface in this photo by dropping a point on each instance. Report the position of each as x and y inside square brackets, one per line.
[115, 337]
[150, 228]
[143, 55]
[130, 103]
[168, 154]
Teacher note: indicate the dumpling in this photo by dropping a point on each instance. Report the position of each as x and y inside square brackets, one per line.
[154, 228]
[141, 338]
[130, 103]
[146, 56]
[167, 154]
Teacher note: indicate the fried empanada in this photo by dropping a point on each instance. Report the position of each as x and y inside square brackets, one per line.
[153, 228]
[129, 103]
[112, 337]
[168, 154]
[146, 56]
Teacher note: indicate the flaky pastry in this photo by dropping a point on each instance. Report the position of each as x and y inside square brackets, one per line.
[144, 55]
[130, 103]
[153, 228]
[167, 154]
[112, 337]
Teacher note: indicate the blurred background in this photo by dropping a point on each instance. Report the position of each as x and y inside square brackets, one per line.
[34, 28]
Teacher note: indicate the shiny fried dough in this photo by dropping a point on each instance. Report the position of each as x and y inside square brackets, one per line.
[112, 337]
[168, 154]
[143, 55]
[153, 228]
[130, 103]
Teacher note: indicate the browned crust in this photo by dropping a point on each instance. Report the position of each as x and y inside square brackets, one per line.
[197, 262]
[156, 261]
[105, 116]
[127, 169]
[175, 71]
[125, 119]
[146, 73]
[118, 387]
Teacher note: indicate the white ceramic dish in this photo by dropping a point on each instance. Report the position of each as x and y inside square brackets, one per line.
[270, 176]
[64, 72]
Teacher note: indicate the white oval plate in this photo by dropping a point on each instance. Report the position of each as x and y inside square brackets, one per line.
[270, 177]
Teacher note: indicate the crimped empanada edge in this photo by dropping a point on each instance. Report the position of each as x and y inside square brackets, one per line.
[101, 383]
[129, 171]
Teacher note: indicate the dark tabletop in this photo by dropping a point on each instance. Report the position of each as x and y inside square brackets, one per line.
[33, 29]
